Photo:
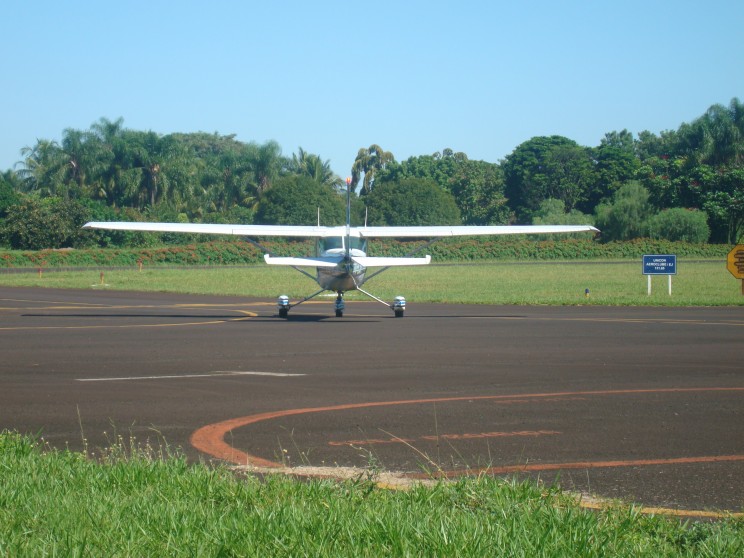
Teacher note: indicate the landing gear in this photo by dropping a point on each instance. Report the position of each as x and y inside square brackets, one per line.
[399, 306]
[340, 306]
[283, 306]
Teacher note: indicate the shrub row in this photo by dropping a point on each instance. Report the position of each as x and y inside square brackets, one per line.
[467, 249]
[474, 249]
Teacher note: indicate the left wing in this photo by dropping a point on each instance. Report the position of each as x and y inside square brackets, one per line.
[204, 228]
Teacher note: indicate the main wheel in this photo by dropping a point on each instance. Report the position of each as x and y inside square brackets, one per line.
[283, 312]
[399, 313]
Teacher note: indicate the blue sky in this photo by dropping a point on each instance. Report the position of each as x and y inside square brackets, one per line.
[414, 77]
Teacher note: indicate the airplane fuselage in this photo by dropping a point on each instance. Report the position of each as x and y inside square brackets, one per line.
[347, 275]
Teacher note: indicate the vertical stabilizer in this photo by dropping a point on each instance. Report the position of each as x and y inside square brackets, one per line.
[347, 242]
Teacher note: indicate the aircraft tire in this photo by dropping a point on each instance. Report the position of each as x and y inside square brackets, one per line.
[339, 313]
[283, 312]
[399, 313]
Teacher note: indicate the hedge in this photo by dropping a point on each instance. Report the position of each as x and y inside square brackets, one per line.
[459, 249]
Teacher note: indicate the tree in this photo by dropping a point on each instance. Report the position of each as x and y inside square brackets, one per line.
[308, 164]
[679, 224]
[615, 163]
[79, 153]
[108, 131]
[410, 202]
[716, 138]
[546, 167]
[553, 212]
[295, 200]
[368, 162]
[36, 224]
[724, 204]
[43, 168]
[8, 191]
[627, 216]
[267, 164]
[477, 186]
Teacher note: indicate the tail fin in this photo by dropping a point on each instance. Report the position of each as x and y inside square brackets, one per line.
[348, 219]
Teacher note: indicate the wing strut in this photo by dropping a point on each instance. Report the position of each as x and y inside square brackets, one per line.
[370, 295]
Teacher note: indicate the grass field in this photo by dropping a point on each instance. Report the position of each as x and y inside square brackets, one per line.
[144, 502]
[698, 283]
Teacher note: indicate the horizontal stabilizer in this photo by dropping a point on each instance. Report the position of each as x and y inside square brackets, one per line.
[367, 261]
[317, 261]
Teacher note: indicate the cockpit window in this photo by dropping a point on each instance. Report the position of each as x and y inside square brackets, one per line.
[330, 243]
[358, 243]
[335, 242]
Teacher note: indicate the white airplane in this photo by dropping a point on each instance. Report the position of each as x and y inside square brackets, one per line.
[341, 259]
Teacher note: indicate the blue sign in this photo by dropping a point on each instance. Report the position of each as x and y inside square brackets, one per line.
[660, 264]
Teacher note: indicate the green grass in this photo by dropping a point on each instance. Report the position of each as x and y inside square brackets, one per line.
[141, 501]
[698, 283]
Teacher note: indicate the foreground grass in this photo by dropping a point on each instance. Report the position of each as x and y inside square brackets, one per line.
[698, 283]
[139, 502]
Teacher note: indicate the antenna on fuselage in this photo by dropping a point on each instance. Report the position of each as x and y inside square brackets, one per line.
[348, 217]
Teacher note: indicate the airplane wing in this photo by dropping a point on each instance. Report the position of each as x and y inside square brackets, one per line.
[312, 231]
[204, 228]
[428, 232]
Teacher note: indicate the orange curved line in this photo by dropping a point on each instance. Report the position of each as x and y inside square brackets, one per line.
[534, 467]
[210, 439]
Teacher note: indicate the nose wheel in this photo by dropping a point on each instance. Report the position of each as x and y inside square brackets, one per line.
[340, 306]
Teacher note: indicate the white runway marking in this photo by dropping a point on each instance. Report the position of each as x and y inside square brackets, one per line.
[179, 377]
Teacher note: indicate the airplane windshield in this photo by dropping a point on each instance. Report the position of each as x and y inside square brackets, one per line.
[335, 242]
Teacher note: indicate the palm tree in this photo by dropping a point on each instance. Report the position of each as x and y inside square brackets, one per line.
[107, 130]
[367, 162]
[308, 164]
[267, 165]
[84, 160]
[716, 138]
[43, 168]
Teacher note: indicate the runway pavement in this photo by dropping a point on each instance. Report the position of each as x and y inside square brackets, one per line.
[643, 404]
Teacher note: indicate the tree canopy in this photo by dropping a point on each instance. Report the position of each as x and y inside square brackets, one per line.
[477, 186]
[133, 174]
[300, 200]
[410, 202]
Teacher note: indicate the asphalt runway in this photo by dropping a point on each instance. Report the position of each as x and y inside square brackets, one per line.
[643, 404]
